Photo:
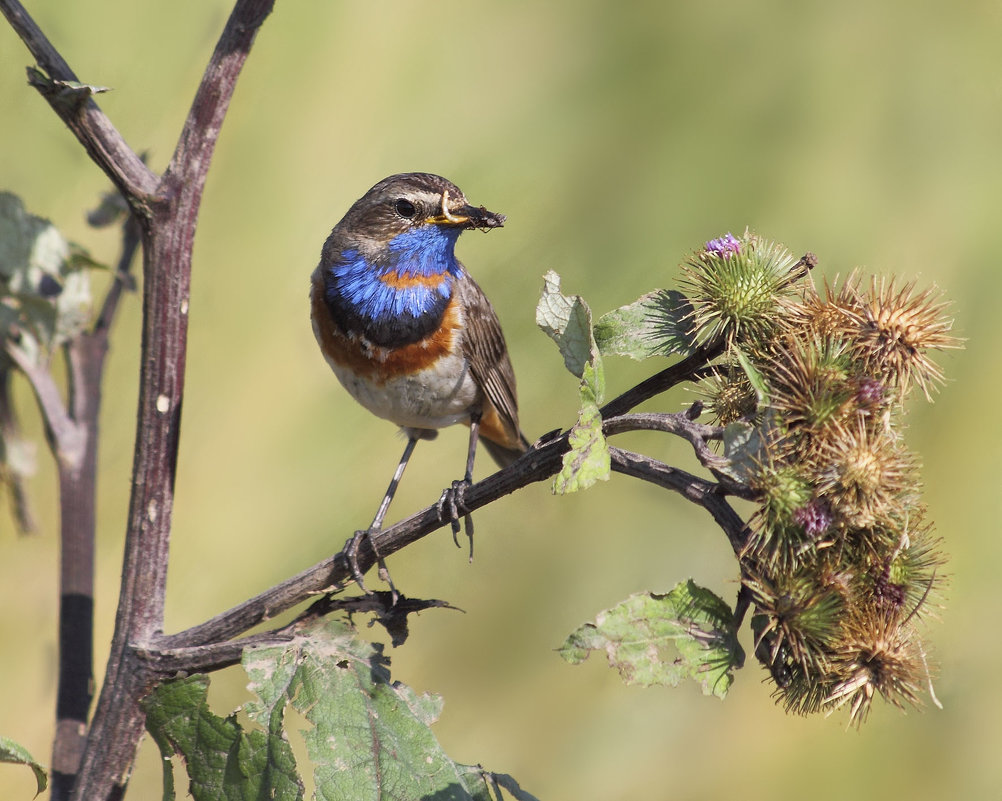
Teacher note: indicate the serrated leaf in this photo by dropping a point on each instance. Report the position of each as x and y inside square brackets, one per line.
[18, 755]
[656, 324]
[660, 639]
[567, 321]
[588, 459]
[369, 736]
[223, 760]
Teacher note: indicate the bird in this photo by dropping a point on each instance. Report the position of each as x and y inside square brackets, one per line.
[409, 333]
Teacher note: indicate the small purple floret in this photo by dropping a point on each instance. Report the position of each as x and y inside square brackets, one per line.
[870, 392]
[724, 246]
[814, 518]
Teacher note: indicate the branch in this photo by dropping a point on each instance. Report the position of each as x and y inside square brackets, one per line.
[683, 424]
[541, 462]
[64, 434]
[685, 370]
[85, 359]
[678, 423]
[698, 490]
[81, 114]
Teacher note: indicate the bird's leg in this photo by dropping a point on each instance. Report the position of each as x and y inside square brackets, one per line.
[452, 498]
[377, 524]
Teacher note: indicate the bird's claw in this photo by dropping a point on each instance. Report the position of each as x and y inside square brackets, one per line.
[351, 556]
[452, 506]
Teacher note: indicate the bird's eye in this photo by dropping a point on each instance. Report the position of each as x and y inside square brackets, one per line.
[405, 208]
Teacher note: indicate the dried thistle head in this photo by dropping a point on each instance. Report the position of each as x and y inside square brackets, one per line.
[797, 617]
[730, 395]
[809, 382]
[833, 314]
[875, 655]
[897, 328]
[866, 474]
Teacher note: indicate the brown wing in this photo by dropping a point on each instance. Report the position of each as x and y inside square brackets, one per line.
[484, 346]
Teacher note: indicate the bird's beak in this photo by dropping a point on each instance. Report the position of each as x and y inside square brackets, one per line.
[466, 216]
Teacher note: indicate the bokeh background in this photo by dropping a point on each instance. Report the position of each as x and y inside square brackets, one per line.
[616, 137]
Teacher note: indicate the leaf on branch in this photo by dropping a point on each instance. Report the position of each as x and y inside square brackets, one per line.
[567, 321]
[45, 295]
[70, 95]
[660, 639]
[370, 736]
[744, 449]
[223, 759]
[656, 324]
[588, 459]
[17, 754]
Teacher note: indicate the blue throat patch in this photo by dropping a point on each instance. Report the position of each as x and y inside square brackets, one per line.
[396, 300]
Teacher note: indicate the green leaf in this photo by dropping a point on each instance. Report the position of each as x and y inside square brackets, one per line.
[567, 321]
[224, 761]
[588, 459]
[754, 376]
[370, 736]
[656, 324]
[653, 638]
[45, 295]
[18, 755]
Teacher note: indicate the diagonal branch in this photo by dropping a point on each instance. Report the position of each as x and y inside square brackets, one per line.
[685, 370]
[678, 423]
[696, 434]
[541, 462]
[81, 114]
[63, 432]
[698, 490]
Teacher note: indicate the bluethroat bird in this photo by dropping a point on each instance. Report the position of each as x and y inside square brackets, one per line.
[409, 333]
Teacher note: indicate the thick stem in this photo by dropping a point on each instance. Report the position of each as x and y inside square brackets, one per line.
[167, 235]
[77, 486]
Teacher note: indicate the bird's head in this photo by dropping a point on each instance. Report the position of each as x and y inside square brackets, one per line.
[410, 211]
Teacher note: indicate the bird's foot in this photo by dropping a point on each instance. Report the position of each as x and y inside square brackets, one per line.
[351, 556]
[452, 507]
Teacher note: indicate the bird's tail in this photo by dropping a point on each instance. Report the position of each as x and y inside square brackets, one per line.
[504, 455]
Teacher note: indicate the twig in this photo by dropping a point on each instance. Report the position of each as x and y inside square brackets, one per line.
[698, 490]
[63, 433]
[92, 128]
[678, 423]
[685, 370]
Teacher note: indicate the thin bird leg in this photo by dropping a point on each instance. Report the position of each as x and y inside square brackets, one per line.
[377, 524]
[451, 501]
[471, 454]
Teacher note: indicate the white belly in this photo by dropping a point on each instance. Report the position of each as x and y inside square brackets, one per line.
[431, 398]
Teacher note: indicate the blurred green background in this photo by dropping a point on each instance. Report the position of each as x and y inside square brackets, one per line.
[616, 137]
